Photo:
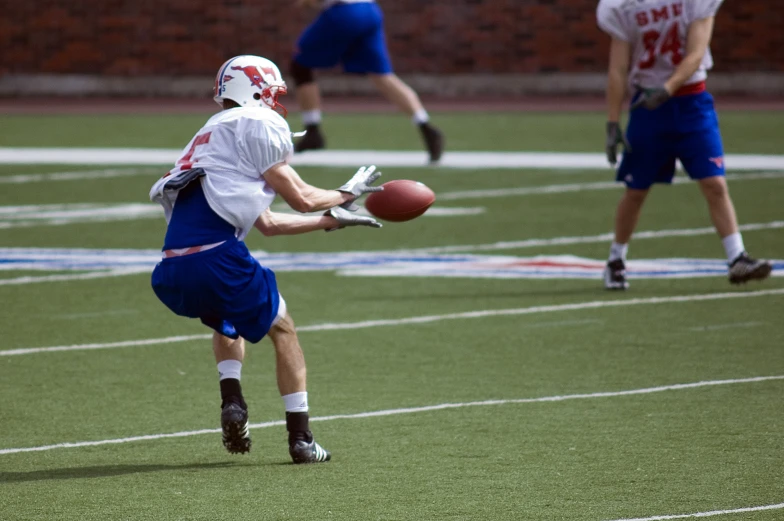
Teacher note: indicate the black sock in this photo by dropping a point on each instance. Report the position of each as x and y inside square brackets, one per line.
[313, 127]
[297, 425]
[231, 392]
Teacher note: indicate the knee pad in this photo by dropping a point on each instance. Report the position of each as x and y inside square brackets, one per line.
[301, 74]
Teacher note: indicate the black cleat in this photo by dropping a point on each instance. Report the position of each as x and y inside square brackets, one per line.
[744, 269]
[615, 275]
[234, 422]
[434, 141]
[304, 449]
[312, 140]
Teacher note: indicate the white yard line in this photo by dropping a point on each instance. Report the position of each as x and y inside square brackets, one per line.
[71, 176]
[353, 158]
[408, 410]
[733, 325]
[64, 278]
[579, 187]
[336, 326]
[712, 513]
[588, 239]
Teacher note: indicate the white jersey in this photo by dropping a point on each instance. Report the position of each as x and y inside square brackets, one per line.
[657, 31]
[235, 147]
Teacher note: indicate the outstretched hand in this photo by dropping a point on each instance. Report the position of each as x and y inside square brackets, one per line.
[360, 184]
[346, 218]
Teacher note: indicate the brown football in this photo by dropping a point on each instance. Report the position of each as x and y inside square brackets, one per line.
[401, 200]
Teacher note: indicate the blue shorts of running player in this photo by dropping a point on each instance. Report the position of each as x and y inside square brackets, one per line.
[686, 127]
[224, 287]
[350, 34]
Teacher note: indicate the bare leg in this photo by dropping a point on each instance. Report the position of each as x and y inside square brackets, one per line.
[289, 360]
[720, 206]
[226, 348]
[309, 96]
[628, 214]
[393, 89]
[404, 97]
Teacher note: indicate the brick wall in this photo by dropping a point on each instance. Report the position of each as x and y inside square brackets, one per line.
[193, 37]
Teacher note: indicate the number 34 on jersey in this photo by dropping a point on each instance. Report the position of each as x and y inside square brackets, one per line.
[656, 31]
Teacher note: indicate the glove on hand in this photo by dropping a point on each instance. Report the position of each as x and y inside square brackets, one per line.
[651, 99]
[360, 184]
[615, 137]
[346, 218]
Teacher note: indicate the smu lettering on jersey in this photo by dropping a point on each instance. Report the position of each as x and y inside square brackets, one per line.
[235, 147]
[657, 31]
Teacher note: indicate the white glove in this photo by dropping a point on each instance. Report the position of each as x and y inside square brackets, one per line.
[346, 218]
[360, 184]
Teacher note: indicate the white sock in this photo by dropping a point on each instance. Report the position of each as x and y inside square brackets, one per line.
[311, 117]
[420, 116]
[733, 246]
[230, 369]
[296, 402]
[618, 251]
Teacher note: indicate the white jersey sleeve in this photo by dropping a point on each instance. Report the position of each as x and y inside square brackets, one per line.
[266, 143]
[704, 8]
[611, 20]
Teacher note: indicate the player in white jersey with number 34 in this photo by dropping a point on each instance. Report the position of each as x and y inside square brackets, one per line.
[661, 50]
[220, 189]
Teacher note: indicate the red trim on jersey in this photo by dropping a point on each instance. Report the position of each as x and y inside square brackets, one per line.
[688, 90]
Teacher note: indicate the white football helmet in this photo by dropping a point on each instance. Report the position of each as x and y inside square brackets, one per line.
[250, 81]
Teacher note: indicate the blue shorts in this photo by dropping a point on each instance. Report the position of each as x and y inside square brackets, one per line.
[349, 34]
[225, 287]
[685, 128]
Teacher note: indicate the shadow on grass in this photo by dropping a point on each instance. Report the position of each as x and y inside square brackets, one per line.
[106, 471]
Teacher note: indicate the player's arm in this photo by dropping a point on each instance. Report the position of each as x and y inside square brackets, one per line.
[273, 223]
[306, 198]
[301, 196]
[617, 72]
[698, 40]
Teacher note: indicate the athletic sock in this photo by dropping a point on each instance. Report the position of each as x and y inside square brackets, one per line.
[297, 417]
[229, 372]
[420, 117]
[296, 402]
[733, 246]
[618, 251]
[311, 117]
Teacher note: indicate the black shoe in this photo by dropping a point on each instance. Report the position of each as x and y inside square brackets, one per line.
[744, 269]
[234, 422]
[304, 449]
[615, 275]
[434, 141]
[312, 140]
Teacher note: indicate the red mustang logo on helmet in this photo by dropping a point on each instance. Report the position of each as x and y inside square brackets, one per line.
[252, 72]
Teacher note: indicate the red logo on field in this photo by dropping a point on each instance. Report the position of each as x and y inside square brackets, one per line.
[254, 75]
[718, 161]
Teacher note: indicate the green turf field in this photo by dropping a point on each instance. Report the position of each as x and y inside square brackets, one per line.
[552, 447]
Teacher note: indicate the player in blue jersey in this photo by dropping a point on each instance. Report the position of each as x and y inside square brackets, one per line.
[351, 33]
[219, 190]
[661, 48]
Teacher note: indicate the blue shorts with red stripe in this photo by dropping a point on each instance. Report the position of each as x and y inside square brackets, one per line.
[685, 128]
[225, 287]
